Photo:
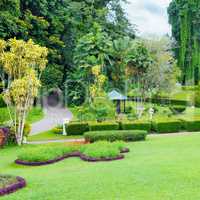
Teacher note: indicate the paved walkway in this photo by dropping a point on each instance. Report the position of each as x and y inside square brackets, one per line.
[53, 117]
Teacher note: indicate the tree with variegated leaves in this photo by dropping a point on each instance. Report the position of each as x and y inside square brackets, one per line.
[21, 66]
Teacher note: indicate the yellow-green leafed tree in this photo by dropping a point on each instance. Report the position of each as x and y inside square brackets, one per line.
[22, 64]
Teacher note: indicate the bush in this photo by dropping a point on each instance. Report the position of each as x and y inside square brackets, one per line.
[166, 126]
[46, 152]
[101, 149]
[95, 126]
[133, 135]
[177, 109]
[135, 125]
[2, 102]
[128, 110]
[192, 124]
[27, 129]
[197, 99]
[57, 130]
[77, 128]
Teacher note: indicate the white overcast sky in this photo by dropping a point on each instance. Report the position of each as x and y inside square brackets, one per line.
[149, 16]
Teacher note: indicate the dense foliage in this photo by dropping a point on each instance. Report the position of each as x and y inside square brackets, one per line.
[68, 28]
[184, 16]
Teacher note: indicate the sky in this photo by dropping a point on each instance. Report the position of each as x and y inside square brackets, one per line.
[149, 16]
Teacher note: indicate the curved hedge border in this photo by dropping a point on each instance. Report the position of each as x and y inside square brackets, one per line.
[74, 154]
[21, 183]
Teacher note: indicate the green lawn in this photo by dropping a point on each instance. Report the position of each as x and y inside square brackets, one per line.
[161, 168]
[50, 135]
[34, 115]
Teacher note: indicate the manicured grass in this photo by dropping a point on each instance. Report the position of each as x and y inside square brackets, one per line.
[161, 168]
[35, 114]
[50, 135]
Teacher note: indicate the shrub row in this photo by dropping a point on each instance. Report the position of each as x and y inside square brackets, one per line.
[167, 126]
[131, 135]
[191, 124]
[159, 126]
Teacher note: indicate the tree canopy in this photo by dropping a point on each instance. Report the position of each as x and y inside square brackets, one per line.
[63, 26]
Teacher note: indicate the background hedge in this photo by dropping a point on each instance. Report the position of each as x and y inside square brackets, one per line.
[95, 126]
[167, 126]
[130, 135]
[77, 128]
[192, 124]
[136, 125]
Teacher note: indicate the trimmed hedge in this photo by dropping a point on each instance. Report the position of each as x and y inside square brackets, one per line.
[77, 128]
[168, 126]
[191, 124]
[135, 125]
[131, 135]
[102, 126]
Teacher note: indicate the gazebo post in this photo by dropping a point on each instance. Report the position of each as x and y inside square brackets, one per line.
[124, 105]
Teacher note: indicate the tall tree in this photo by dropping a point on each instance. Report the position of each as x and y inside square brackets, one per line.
[184, 16]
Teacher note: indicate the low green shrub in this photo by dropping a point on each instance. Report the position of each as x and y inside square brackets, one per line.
[176, 109]
[101, 149]
[98, 126]
[192, 124]
[197, 99]
[77, 128]
[57, 130]
[166, 126]
[128, 109]
[131, 135]
[46, 152]
[2, 102]
[27, 129]
[135, 125]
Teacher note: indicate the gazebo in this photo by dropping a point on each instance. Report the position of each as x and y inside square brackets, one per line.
[117, 97]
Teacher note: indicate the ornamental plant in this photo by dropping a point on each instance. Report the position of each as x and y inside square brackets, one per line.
[21, 66]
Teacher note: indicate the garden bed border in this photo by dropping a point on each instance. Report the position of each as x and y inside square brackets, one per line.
[73, 154]
[21, 183]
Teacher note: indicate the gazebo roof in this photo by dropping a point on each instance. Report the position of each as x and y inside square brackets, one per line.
[114, 95]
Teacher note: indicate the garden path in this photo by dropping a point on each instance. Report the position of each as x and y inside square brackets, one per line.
[53, 117]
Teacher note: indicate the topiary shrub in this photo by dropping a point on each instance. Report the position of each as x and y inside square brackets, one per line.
[166, 126]
[77, 128]
[135, 125]
[176, 109]
[95, 126]
[132, 135]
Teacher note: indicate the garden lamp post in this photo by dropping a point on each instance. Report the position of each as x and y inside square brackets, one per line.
[65, 122]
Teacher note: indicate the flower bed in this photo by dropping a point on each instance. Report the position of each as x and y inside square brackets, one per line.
[9, 184]
[99, 151]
